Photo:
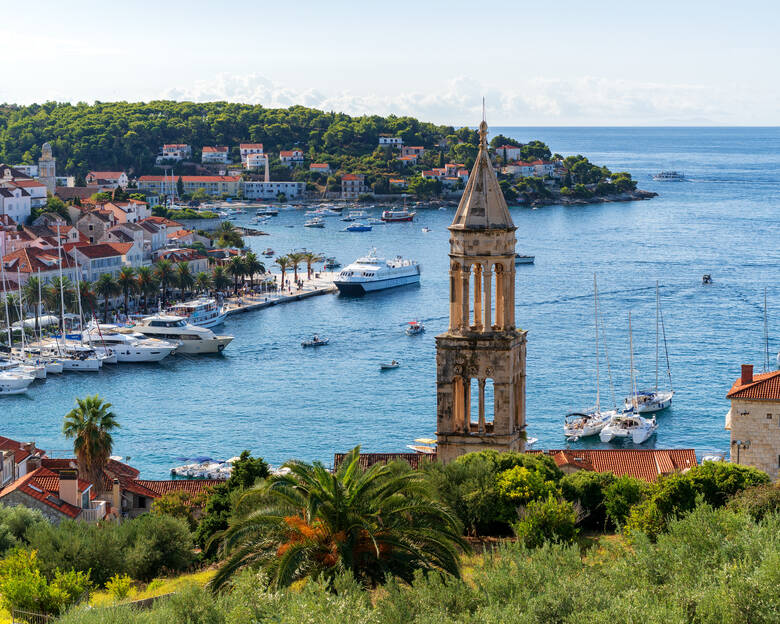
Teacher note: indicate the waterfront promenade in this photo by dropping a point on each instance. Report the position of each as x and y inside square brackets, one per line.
[319, 284]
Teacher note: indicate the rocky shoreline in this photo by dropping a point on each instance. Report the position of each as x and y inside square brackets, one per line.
[564, 200]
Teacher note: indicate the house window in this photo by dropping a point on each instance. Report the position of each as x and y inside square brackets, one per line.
[142, 502]
[769, 416]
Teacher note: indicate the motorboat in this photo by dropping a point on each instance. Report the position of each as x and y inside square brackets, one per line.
[315, 341]
[206, 468]
[584, 424]
[649, 401]
[375, 221]
[669, 176]
[424, 446]
[205, 312]
[127, 347]
[389, 365]
[426, 229]
[314, 222]
[266, 212]
[371, 273]
[190, 339]
[706, 279]
[414, 328]
[629, 425]
[521, 259]
[397, 216]
[331, 263]
[14, 383]
[268, 253]
[76, 360]
[357, 227]
[354, 215]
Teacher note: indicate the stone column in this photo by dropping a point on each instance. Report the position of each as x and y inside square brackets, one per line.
[499, 297]
[455, 308]
[511, 297]
[466, 405]
[464, 298]
[482, 406]
[486, 275]
[477, 298]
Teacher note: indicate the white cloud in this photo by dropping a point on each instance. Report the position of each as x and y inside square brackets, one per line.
[587, 100]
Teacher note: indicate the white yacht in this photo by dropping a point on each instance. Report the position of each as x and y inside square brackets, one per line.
[14, 383]
[204, 312]
[371, 273]
[583, 424]
[666, 176]
[191, 339]
[628, 425]
[106, 339]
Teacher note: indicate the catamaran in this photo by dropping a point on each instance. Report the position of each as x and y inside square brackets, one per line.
[648, 401]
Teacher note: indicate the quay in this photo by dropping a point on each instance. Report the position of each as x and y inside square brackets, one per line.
[319, 284]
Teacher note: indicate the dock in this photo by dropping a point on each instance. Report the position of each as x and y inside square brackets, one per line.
[319, 284]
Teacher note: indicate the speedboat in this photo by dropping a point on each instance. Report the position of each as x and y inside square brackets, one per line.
[520, 259]
[204, 312]
[190, 339]
[397, 216]
[649, 401]
[414, 328]
[426, 229]
[315, 222]
[371, 273]
[14, 383]
[316, 341]
[629, 425]
[583, 424]
[669, 176]
[269, 252]
[357, 227]
[266, 212]
[375, 221]
[331, 263]
[126, 347]
[389, 365]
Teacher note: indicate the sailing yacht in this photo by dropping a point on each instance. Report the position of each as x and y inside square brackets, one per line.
[655, 400]
[590, 422]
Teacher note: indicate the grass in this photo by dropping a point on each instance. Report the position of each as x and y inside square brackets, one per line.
[157, 587]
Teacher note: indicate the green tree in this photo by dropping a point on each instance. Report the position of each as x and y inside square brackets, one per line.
[184, 279]
[295, 258]
[283, 262]
[89, 425]
[220, 278]
[547, 519]
[384, 521]
[203, 282]
[253, 266]
[165, 274]
[106, 287]
[179, 186]
[310, 258]
[88, 298]
[623, 494]
[229, 236]
[237, 270]
[147, 284]
[31, 291]
[127, 283]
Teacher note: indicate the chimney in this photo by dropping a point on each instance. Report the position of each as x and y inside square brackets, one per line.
[747, 374]
[69, 487]
[116, 497]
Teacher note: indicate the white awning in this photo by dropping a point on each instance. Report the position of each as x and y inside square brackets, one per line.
[728, 420]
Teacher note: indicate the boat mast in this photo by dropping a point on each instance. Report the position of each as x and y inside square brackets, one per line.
[657, 316]
[666, 348]
[631, 350]
[21, 310]
[766, 337]
[596, 319]
[40, 307]
[7, 317]
[62, 294]
[78, 296]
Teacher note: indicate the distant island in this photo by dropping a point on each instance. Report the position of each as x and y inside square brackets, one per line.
[326, 154]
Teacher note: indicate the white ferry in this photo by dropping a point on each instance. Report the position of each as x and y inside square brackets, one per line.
[202, 312]
[371, 273]
[666, 176]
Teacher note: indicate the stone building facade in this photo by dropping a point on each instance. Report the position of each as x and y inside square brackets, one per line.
[482, 349]
[47, 169]
[754, 420]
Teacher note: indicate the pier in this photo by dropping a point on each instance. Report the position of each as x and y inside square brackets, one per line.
[319, 284]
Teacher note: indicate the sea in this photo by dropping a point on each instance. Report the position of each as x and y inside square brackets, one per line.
[267, 394]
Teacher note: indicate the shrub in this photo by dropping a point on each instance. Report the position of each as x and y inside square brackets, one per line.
[119, 586]
[519, 485]
[719, 481]
[180, 504]
[550, 519]
[621, 495]
[588, 489]
[155, 544]
[759, 501]
[14, 523]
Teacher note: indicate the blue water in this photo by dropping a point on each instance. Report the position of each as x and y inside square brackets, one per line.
[267, 394]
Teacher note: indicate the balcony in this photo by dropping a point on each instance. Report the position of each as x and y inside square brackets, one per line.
[95, 514]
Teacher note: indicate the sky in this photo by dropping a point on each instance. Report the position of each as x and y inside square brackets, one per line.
[560, 63]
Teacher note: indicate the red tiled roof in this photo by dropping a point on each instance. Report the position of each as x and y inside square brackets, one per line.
[218, 148]
[250, 146]
[764, 387]
[44, 485]
[289, 153]
[174, 145]
[352, 176]
[192, 486]
[180, 234]
[319, 166]
[154, 178]
[646, 464]
[105, 250]
[161, 221]
[20, 453]
[27, 183]
[32, 259]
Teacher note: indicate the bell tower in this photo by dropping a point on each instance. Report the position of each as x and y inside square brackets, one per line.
[480, 359]
[47, 169]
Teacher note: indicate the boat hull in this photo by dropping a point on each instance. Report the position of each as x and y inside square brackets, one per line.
[135, 355]
[87, 364]
[661, 401]
[202, 347]
[363, 287]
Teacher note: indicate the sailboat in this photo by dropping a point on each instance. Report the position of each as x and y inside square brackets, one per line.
[583, 424]
[629, 424]
[649, 401]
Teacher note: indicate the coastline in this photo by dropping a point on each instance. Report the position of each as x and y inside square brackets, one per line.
[563, 200]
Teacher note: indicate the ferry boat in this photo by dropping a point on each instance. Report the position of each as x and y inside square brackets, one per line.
[202, 312]
[397, 216]
[190, 339]
[371, 273]
[666, 176]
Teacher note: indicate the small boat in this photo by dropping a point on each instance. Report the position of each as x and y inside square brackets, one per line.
[315, 222]
[397, 216]
[584, 424]
[531, 441]
[348, 218]
[648, 401]
[415, 328]
[331, 263]
[520, 259]
[357, 227]
[669, 176]
[706, 279]
[316, 341]
[269, 252]
[426, 229]
[375, 221]
[628, 425]
[389, 365]
[14, 383]
[426, 446]
[266, 212]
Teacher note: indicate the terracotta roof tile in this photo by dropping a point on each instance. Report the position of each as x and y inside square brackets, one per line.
[764, 387]
[104, 250]
[646, 464]
[193, 486]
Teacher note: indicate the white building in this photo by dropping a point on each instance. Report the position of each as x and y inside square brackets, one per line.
[15, 202]
[394, 142]
[249, 148]
[174, 151]
[255, 160]
[30, 171]
[37, 191]
[323, 168]
[353, 185]
[100, 258]
[509, 152]
[537, 168]
[291, 158]
[106, 179]
[269, 190]
[215, 155]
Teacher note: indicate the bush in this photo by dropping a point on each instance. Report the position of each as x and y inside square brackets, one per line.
[621, 495]
[550, 519]
[519, 485]
[719, 481]
[588, 490]
[119, 586]
[14, 524]
[759, 501]
[180, 504]
[156, 544]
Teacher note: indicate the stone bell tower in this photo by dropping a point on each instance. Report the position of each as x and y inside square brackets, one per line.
[47, 173]
[482, 347]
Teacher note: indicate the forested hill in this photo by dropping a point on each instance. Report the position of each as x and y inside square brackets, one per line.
[128, 135]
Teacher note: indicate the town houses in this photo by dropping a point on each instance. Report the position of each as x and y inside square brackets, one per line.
[291, 158]
[536, 168]
[174, 152]
[218, 155]
[107, 179]
[353, 185]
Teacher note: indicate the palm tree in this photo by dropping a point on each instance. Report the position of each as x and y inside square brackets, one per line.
[12, 301]
[237, 269]
[126, 281]
[284, 264]
[106, 287]
[379, 522]
[202, 281]
[147, 284]
[90, 424]
[88, 297]
[253, 266]
[310, 258]
[229, 236]
[165, 273]
[295, 259]
[51, 295]
[184, 279]
[220, 278]
[31, 290]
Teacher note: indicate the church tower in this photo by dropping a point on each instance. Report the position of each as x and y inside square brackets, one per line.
[47, 170]
[481, 353]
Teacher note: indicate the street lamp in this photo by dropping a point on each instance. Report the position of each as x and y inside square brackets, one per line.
[740, 445]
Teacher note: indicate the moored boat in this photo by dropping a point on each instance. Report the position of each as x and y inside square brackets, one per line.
[521, 259]
[389, 365]
[629, 425]
[190, 339]
[357, 227]
[371, 273]
[397, 216]
[315, 341]
[205, 312]
[414, 328]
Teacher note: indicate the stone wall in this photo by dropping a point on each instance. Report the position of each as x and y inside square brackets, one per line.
[759, 422]
[20, 498]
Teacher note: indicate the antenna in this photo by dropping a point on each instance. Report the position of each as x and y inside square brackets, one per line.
[483, 108]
